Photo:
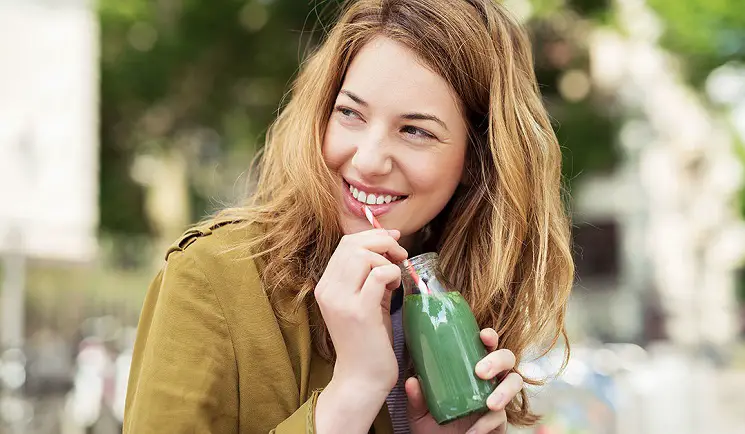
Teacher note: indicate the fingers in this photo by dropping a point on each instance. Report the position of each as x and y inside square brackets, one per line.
[353, 270]
[489, 423]
[494, 363]
[503, 394]
[381, 279]
[490, 338]
[380, 241]
[417, 406]
[355, 257]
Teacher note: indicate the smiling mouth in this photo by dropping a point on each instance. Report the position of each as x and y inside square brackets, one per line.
[367, 198]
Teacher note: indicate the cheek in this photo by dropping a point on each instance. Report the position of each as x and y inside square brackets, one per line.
[439, 175]
[334, 152]
[433, 181]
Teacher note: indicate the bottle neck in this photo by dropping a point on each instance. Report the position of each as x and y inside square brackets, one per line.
[426, 266]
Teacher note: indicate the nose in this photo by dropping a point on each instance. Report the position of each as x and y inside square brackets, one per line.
[372, 158]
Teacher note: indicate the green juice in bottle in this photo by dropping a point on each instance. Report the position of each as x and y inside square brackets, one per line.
[442, 338]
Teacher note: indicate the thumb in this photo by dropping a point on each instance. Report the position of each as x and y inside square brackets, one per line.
[417, 405]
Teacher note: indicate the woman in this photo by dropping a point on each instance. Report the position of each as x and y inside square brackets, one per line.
[280, 316]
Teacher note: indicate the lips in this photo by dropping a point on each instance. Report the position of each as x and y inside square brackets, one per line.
[383, 199]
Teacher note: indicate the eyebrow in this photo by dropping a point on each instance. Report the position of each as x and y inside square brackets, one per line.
[409, 116]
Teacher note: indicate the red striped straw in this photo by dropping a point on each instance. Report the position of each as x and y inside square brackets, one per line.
[418, 280]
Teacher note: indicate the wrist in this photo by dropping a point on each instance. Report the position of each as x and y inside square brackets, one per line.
[378, 384]
[348, 406]
[365, 390]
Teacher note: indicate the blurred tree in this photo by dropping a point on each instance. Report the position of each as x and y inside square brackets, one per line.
[206, 77]
[585, 123]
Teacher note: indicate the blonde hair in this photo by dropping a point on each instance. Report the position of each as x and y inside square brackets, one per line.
[504, 238]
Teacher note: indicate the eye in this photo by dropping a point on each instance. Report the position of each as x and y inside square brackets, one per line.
[417, 133]
[348, 112]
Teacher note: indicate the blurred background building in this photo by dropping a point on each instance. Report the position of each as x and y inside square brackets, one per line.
[121, 122]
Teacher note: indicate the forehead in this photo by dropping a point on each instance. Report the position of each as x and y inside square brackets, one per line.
[387, 73]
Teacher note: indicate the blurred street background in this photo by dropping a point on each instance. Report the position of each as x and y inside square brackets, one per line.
[122, 121]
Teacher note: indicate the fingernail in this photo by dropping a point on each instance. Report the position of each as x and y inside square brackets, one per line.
[482, 367]
[496, 402]
[471, 431]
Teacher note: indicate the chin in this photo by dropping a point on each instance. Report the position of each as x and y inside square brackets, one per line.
[351, 226]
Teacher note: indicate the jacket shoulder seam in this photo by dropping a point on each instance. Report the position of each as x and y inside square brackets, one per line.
[196, 232]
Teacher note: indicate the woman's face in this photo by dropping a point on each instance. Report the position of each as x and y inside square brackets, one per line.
[396, 139]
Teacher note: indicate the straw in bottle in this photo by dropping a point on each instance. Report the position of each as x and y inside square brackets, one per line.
[417, 280]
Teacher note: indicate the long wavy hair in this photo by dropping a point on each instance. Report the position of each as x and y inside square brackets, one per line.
[503, 239]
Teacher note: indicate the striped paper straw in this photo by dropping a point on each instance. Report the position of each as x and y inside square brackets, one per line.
[371, 218]
[418, 280]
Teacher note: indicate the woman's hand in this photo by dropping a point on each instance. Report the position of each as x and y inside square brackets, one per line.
[493, 421]
[354, 296]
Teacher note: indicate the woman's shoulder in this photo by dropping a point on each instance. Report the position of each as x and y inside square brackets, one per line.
[218, 250]
[211, 267]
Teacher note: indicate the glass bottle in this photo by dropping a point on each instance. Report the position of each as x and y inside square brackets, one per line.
[443, 340]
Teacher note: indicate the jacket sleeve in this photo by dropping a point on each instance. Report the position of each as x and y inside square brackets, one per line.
[184, 377]
[302, 421]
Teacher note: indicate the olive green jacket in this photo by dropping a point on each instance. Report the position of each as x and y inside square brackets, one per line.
[211, 356]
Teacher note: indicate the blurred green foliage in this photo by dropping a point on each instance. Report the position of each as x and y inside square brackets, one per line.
[170, 68]
[706, 33]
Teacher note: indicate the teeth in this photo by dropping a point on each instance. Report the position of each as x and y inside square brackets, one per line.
[370, 198]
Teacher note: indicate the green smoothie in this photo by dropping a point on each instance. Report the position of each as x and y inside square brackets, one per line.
[442, 337]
